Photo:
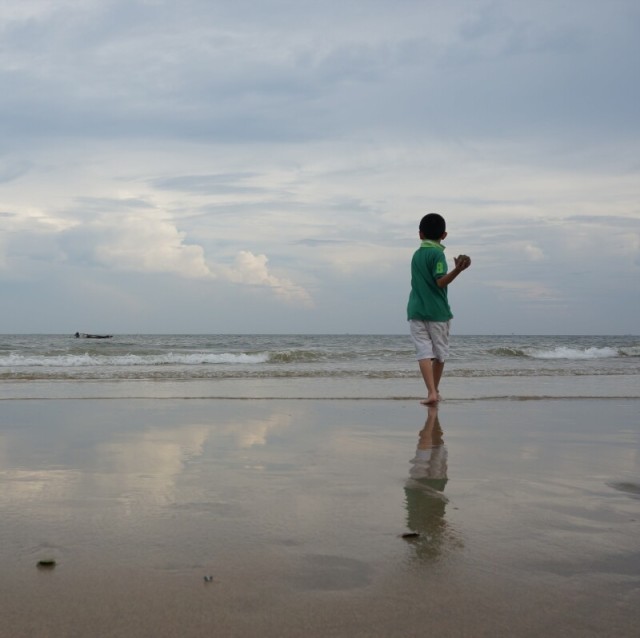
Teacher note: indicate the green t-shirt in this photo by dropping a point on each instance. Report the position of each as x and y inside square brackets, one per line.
[427, 301]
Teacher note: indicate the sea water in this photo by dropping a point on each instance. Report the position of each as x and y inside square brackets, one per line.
[371, 363]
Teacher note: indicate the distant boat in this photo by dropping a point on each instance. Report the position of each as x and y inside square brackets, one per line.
[84, 335]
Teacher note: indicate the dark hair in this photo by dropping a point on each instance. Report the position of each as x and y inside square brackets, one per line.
[433, 226]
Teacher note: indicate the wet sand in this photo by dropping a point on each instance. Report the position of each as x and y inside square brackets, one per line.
[527, 515]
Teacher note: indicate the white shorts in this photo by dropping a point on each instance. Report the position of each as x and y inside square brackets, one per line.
[431, 339]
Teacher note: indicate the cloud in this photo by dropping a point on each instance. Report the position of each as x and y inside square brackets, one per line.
[221, 184]
[144, 244]
[10, 171]
[146, 241]
[532, 291]
[268, 71]
[534, 253]
[250, 269]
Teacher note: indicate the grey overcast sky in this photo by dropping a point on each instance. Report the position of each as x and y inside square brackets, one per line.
[262, 165]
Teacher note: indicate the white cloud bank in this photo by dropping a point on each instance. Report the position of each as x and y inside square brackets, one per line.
[251, 270]
[146, 244]
[143, 242]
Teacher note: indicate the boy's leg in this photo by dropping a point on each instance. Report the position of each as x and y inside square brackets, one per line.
[439, 332]
[424, 353]
[427, 370]
[438, 369]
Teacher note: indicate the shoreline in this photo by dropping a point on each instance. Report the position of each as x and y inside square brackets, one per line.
[454, 388]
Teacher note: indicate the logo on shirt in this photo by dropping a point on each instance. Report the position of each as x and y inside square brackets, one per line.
[439, 268]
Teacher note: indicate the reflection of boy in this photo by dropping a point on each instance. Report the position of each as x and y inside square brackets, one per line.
[429, 466]
[424, 497]
[428, 309]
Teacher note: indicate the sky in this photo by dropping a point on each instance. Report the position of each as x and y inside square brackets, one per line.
[261, 166]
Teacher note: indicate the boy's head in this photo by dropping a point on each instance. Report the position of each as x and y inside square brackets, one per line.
[433, 226]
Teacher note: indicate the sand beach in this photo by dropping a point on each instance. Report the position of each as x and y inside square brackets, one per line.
[175, 516]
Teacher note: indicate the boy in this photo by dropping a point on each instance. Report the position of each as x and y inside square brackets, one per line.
[428, 310]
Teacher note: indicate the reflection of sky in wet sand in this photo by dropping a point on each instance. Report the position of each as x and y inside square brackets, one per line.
[323, 489]
[76, 475]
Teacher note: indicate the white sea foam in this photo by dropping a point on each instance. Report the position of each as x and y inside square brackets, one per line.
[89, 360]
[562, 352]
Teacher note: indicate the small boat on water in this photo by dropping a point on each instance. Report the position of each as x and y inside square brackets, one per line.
[84, 335]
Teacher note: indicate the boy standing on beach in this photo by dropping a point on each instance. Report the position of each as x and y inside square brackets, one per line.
[428, 310]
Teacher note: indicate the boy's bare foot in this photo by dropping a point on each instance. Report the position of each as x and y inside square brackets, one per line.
[431, 400]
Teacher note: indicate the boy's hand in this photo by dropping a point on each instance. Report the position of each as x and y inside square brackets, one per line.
[462, 262]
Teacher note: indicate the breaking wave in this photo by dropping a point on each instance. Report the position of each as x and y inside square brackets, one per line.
[90, 360]
[562, 352]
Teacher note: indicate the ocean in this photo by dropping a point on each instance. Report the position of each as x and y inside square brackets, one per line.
[345, 360]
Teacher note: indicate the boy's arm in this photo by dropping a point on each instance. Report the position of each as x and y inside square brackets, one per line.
[462, 262]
